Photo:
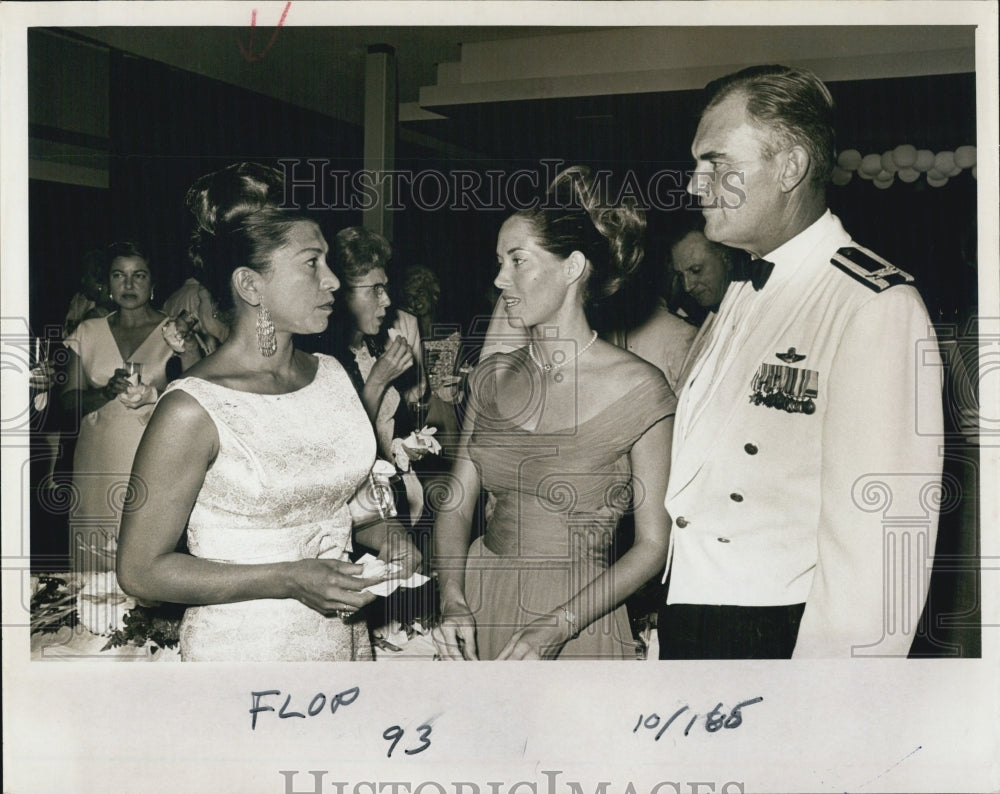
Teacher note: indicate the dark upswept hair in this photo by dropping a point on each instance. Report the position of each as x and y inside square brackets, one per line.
[576, 216]
[793, 104]
[125, 248]
[237, 223]
[356, 251]
[237, 189]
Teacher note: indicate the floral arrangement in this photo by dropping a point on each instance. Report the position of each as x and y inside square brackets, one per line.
[53, 604]
[96, 603]
[157, 625]
[394, 636]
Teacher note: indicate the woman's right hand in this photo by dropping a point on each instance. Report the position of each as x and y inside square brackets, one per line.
[117, 384]
[330, 586]
[455, 636]
[397, 358]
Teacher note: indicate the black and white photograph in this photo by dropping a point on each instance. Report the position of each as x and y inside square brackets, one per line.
[427, 334]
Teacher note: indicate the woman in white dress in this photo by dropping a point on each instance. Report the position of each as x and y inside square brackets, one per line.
[258, 452]
[113, 408]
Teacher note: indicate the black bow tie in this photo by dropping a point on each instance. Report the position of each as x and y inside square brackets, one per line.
[756, 271]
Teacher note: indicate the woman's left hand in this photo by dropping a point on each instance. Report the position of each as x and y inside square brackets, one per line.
[42, 376]
[138, 395]
[399, 549]
[540, 639]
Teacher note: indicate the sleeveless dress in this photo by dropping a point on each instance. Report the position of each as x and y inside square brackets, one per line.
[278, 491]
[106, 444]
[559, 497]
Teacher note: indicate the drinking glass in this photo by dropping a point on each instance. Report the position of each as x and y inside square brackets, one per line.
[134, 368]
[418, 413]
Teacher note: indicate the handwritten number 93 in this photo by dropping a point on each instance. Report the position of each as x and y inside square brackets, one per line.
[395, 733]
[714, 720]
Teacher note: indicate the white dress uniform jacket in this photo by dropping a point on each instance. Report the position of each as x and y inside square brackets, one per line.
[822, 497]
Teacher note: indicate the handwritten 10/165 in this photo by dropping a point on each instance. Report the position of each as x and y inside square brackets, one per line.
[715, 720]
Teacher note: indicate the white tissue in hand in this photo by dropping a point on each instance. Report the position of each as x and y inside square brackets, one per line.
[393, 333]
[375, 568]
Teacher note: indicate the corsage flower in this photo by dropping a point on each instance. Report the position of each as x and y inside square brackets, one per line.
[414, 447]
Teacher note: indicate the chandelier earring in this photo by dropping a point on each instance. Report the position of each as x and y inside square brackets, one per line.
[265, 332]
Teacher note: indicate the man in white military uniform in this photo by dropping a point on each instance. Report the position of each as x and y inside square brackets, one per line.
[813, 392]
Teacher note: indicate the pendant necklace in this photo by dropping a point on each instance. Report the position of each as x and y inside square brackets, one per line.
[552, 367]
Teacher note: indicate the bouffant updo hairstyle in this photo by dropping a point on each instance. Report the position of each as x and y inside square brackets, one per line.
[238, 223]
[126, 248]
[575, 215]
[356, 251]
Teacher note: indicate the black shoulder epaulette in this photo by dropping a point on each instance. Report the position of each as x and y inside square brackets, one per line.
[869, 268]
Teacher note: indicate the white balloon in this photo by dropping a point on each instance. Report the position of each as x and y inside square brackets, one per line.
[871, 164]
[925, 160]
[965, 156]
[888, 162]
[865, 175]
[936, 181]
[882, 184]
[944, 161]
[954, 171]
[935, 174]
[849, 159]
[840, 176]
[975, 171]
[905, 155]
[908, 174]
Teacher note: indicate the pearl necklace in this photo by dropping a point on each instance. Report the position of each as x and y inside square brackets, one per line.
[551, 367]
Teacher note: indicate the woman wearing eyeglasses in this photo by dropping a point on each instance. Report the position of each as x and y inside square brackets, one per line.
[360, 332]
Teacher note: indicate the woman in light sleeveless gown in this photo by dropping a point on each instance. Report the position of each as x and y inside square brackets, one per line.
[258, 452]
[564, 434]
[113, 410]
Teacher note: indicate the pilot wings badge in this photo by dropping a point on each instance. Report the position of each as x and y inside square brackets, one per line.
[791, 356]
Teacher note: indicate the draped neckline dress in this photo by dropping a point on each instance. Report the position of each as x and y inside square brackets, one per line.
[559, 497]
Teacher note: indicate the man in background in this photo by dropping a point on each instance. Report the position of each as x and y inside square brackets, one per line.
[703, 268]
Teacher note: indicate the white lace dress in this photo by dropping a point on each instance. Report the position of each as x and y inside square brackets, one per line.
[278, 491]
